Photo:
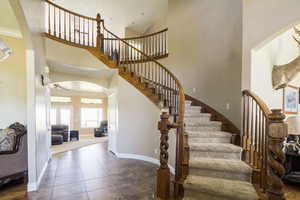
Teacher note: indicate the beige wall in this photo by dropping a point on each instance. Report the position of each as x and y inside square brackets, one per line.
[13, 84]
[76, 105]
[279, 51]
[205, 51]
[261, 20]
[62, 53]
[30, 15]
[133, 122]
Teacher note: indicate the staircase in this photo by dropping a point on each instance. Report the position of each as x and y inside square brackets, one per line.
[209, 164]
[216, 171]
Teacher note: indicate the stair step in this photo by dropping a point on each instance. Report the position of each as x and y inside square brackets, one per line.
[215, 150]
[208, 137]
[188, 103]
[193, 108]
[199, 187]
[208, 134]
[197, 117]
[203, 126]
[220, 168]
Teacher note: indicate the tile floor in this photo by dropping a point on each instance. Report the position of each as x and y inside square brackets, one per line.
[92, 173]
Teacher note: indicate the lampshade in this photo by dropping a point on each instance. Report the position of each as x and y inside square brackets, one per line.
[5, 51]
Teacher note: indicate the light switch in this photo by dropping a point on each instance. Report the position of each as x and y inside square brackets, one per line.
[227, 106]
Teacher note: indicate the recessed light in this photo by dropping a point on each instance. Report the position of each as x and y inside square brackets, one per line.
[142, 13]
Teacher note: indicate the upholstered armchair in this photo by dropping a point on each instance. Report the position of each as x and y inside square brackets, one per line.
[98, 132]
[13, 153]
[62, 130]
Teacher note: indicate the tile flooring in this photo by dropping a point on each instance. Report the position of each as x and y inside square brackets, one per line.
[92, 173]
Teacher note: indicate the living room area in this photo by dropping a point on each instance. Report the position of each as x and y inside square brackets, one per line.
[78, 115]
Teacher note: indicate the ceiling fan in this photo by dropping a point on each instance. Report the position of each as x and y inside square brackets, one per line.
[57, 86]
[5, 51]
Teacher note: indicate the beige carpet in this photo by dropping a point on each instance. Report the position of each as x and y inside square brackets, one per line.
[83, 141]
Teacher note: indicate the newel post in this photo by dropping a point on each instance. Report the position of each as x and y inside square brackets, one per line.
[277, 130]
[99, 35]
[163, 172]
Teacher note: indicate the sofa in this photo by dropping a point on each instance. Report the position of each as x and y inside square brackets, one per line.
[62, 130]
[13, 153]
[102, 130]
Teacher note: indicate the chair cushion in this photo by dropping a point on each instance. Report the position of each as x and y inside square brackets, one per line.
[7, 139]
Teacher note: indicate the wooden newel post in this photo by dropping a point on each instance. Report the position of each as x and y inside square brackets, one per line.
[99, 39]
[277, 131]
[163, 172]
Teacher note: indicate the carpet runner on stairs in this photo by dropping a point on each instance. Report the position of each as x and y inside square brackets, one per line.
[216, 169]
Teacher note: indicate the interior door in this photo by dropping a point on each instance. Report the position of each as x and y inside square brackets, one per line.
[112, 123]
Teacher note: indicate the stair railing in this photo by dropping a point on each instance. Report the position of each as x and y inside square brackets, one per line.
[263, 134]
[167, 85]
[154, 44]
[90, 33]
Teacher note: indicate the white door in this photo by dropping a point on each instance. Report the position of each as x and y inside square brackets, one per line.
[112, 123]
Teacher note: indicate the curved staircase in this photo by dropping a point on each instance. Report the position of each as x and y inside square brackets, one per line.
[216, 171]
[209, 163]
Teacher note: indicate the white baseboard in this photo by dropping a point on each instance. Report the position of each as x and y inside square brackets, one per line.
[143, 158]
[35, 185]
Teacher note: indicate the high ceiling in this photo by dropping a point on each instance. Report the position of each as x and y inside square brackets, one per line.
[80, 86]
[138, 15]
[8, 22]
[98, 73]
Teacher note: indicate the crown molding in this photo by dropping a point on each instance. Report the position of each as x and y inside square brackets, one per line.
[10, 32]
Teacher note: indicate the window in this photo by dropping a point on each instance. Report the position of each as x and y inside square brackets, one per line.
[53, 114]
[61, 99]
[65, 116]
[91, 101]
[91, 117]
[61, 115]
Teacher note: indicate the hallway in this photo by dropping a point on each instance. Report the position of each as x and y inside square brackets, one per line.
[91, 173]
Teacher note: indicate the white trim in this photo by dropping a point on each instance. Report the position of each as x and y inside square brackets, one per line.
[10, 32]
[144, 158]
[35, 186]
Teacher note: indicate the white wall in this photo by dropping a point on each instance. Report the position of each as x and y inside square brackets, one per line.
[279, 51]
[30, 15]
[261, 20]
[205, 51]
[136, 132]
[61, 53]
[13, 84]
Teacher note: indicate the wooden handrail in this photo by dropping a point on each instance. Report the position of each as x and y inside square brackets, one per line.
[68, 27]
[140, 37]
[259, 101]
[154, 44]
[263, 134]
[150, 59]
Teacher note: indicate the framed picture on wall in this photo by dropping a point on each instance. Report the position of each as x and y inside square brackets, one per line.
[290, 99]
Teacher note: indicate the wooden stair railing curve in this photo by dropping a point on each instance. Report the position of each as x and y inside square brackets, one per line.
[263, 134]
[150, 77]
[154, 45]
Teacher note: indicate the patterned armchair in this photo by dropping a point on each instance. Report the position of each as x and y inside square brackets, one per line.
[13, 153]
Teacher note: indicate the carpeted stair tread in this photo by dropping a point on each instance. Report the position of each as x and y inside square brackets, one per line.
[215, 147]
[208, 123]
[216, 187]
[194, 115]
[223, 165]
[208, 134]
